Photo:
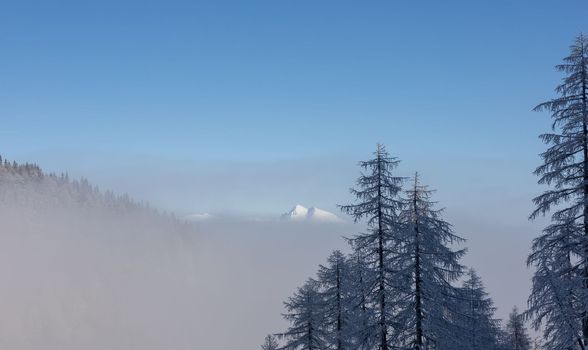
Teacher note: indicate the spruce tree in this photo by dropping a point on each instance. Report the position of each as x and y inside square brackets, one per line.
[270, 343]
[378, 201]
[336, 291]
[516, 333]
[478, 327]
[553, 305]
[304, 311]
[361, 313]
[565, 169]
[430, 266]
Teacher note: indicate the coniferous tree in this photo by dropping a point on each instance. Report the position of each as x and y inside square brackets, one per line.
[361, 313]
[429, 266]
[516, 333]
[478, 327]
[378, 201]
[270, 343]
[554, 304]
[305, 313]
[538, 345]
[565, 168]
[336, 291]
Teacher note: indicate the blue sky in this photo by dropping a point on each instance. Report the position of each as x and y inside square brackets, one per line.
[279, 99]
[249, 107]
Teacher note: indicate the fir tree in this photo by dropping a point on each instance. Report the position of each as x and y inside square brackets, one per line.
[270, 343]
[554, 304]
[378, 201]
[361, 314]
[565, 169]
[304, 311]
[335, 283]
[429, 267]
[516, 333]
[478, 327]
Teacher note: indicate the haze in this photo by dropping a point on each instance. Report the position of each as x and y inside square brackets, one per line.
[241, 110]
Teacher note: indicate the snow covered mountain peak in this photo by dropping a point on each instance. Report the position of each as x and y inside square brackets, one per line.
[301, 213]
[297, 213]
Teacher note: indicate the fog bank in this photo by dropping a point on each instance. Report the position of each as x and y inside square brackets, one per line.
[91, 278]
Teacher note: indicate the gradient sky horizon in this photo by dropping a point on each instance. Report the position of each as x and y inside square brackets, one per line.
[255, 106]
[250, 107]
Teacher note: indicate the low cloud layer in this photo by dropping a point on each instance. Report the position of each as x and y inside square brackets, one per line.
[85, 270]
[77, 278]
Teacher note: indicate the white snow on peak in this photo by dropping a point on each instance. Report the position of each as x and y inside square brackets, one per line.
[198, 217]
[297, 213]
[300, 213]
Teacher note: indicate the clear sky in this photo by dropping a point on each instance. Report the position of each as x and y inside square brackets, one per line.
[278, 98]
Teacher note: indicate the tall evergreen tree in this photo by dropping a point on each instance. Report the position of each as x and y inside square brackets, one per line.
[517, 337]
[478, 327]
[429, 266]
[378, 201]
[336, 294]
[554, 304]
[304, 311]
[361, 313]
[565, 169]
[270, 343]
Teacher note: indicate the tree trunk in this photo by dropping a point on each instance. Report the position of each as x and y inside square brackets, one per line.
[383, 329]
[309, 325]
[417, 272]
[516, 336]
[585, 197]
[362, 300]
[339, 311]
[473, 314]
[310, 336]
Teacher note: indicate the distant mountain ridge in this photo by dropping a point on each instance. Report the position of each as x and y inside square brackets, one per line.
[28, 185]
[313, 214]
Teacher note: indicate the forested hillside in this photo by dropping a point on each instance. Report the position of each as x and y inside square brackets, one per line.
[27, 184]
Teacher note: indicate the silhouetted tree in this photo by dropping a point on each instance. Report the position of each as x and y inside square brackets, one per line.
[378, 201]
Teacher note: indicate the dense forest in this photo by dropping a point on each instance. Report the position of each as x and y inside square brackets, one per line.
[403, 285]
[29, 186]
[83, 268]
